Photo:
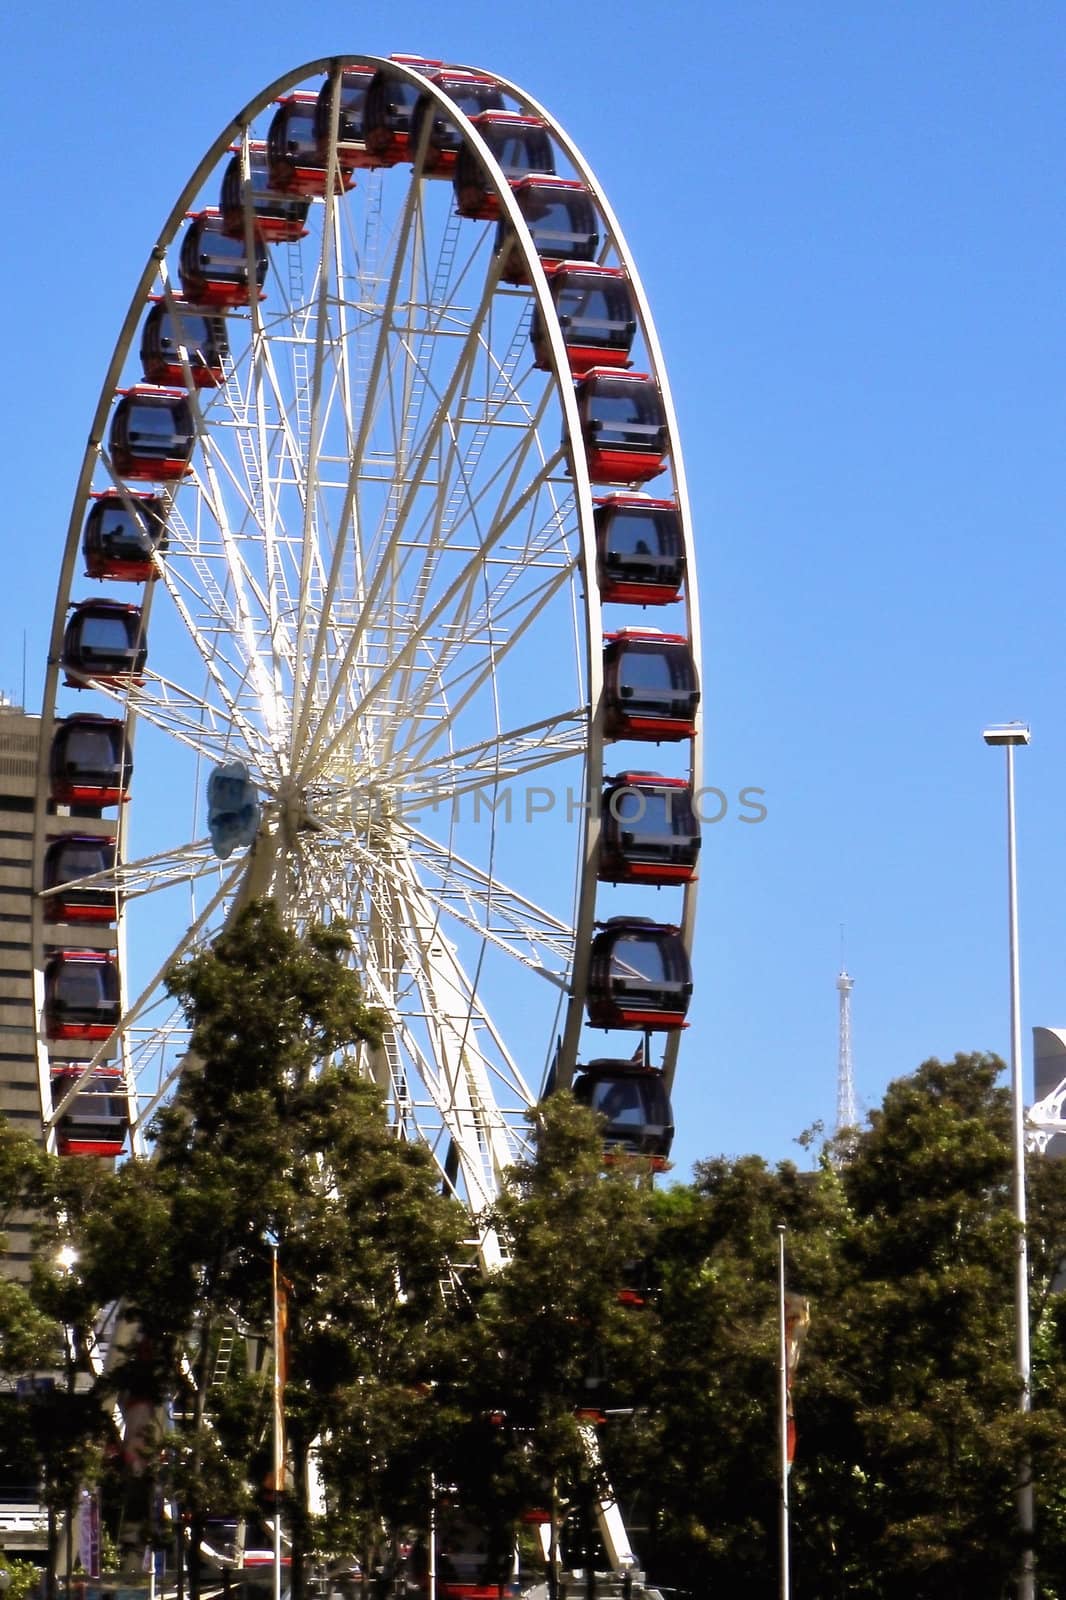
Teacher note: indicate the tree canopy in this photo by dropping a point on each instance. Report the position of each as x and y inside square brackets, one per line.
[653, 1312]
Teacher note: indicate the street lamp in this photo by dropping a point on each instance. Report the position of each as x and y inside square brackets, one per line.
[271, 1240]
[1008, 735]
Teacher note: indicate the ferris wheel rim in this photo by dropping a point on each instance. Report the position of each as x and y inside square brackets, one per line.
[239, 128]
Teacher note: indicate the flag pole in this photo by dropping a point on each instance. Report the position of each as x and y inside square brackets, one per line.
[782, 1397]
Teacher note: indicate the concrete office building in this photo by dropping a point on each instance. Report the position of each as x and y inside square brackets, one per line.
[20, 1095]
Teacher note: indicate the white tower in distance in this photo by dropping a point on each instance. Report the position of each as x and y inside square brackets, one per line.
[846, 1115]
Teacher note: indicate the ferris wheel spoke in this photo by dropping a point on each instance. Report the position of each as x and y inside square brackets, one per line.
[440, 781]
[437, 699]
[444, 630]
[463, 894]
[152, 992]
[460, 1066]
[378, 597]
[453, 444]
[213, 733]
[311, 643]
[468, 681]
[146, 875]
[250, 599]
[513, 502]
[311, 383]
[253, 431]
[216, 632]
[480, 902]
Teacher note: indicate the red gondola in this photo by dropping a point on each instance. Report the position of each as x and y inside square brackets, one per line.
[649, 831]
[167, 332]
[104, 641]
[640, 552]
[97, 1120]
[639, 976]
[295, 164]
[520, 144]
[390, 104]
[90, 764]
[68, 861]
[634, 1102]
[596, 314]
[472, 93]
[121, 533]
[81, 996]
[650, 689]
[464, 1570]
[560, 215]
[623, 426]
[212, 264]
[152, 434]
[351, 119]
[277, 220]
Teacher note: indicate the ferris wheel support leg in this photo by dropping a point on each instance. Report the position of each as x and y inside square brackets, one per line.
[609, 1518]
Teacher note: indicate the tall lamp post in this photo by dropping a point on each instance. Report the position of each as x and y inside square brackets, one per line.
[1009, 735]
[279, 1400]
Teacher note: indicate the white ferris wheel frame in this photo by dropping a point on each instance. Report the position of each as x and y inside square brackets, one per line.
[481, 1131]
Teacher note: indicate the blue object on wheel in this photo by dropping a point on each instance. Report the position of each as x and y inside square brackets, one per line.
[233, 811]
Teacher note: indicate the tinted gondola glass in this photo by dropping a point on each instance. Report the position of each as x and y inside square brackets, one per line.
[81, 995]
[68, 861]
[471, 94]
[164, 334]
[104, 640]
[623, 426]
[390, 104]
[90, 762]
[152, 435]
[520, 145]
[649, 831]
[635, 1103]
[596, 315]
[351, 119]
[650, 689]
[562, 219]
[121, 532]
[96, 1122]
[277, 220]
[213, 266]
[640, 552]
[639, 976]
[295, 163]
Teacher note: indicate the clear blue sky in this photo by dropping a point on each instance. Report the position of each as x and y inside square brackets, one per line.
[849, 221]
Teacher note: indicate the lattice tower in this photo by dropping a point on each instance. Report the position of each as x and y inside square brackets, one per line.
[846, 1115]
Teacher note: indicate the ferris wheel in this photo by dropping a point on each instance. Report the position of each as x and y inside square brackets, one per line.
[379, 598]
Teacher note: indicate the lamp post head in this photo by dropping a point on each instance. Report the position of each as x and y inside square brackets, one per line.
[1007, 733]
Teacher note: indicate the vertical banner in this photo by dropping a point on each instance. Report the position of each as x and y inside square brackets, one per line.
[89, 1532]
[281, 1366]
[797, 1321]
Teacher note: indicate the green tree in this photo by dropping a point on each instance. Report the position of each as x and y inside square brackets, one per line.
[702, 1466]
[275, 1133]
[906, 1397]
[57, 1434]
[913, 1430]
[549, 1330]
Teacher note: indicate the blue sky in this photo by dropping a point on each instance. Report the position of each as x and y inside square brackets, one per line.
[848, 219]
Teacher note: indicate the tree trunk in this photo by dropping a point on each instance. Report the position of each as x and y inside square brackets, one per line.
[298, 1529]
[196, 1536]
[53, 1552]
